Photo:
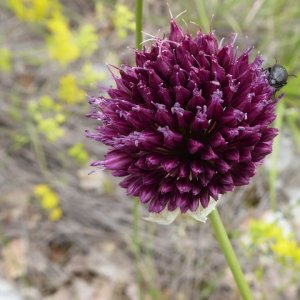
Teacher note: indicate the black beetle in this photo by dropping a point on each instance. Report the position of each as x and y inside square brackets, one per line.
[277, 76]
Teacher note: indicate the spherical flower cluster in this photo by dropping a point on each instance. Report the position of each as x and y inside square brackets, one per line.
[189, 122]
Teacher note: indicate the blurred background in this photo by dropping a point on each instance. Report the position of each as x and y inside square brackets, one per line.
[65, 234]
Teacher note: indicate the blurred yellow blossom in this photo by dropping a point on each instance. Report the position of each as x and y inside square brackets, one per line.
[65, 45]
[272, 237]
[55, 214]
[287, 250]
[61, 43]
[262, 231]
[60, 118]
[40, 190]
[33, 10]
[69, 90]
[123, 20]
[49, 201]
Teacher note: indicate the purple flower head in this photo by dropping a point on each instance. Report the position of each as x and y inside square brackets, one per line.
[189, 122]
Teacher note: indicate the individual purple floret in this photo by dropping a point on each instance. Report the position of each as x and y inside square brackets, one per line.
[190, 122]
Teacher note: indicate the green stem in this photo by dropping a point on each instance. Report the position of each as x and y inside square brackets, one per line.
[138, 23]
[37, 148]
[274, 156]
[232, 261]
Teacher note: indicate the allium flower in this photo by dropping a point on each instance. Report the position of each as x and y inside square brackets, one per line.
[190, 122]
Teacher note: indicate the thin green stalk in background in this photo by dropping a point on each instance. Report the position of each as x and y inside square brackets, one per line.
[227, 249]
[203, 18]
[274, 157]
[37, 149]
[135, 227]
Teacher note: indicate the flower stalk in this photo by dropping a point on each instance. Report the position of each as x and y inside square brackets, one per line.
[228, 251]
[139, 23]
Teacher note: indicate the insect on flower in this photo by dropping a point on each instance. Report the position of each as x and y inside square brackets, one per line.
[277, 76]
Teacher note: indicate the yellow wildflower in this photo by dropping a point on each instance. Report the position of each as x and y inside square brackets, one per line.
[69, 90]
[49, 201]
[55, 214]
[33, 10]
[61, 43]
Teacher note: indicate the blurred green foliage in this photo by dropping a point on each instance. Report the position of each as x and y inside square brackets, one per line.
[67, 38]
[19, 140]
[79, 153]
[48, 117]
[89, 76]
[123, 20]
[5, 61]
[87, 39]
